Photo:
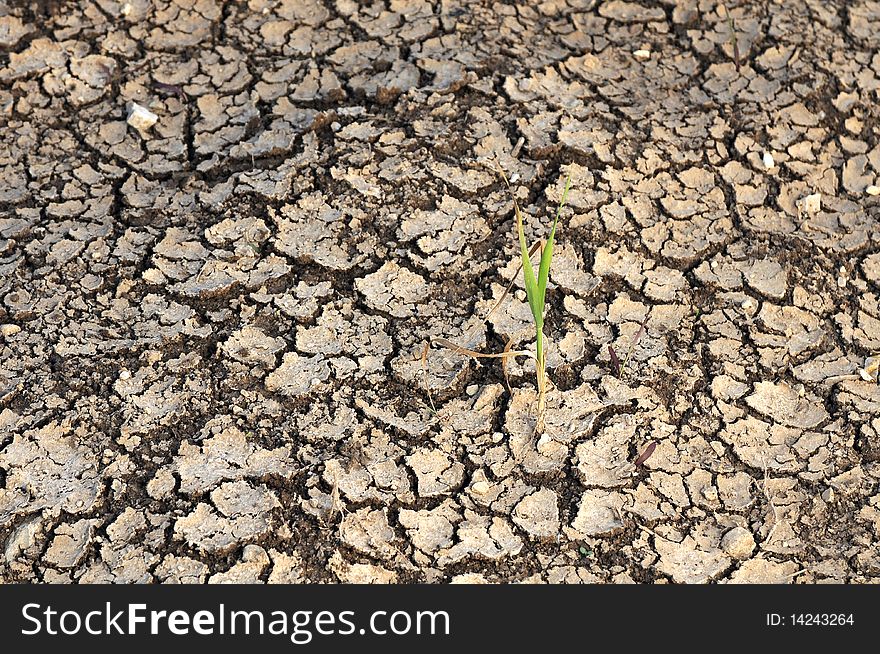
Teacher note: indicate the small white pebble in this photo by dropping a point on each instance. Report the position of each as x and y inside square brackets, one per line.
[126, 9]
[768, 161]
[642, 54]
[873, 190]
[514, 178]
[497, 437]
[9, 330]
[125, 374]
[472, 390]
[748, 304]
[140, 117]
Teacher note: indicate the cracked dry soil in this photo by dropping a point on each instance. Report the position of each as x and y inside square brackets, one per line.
[212, 312]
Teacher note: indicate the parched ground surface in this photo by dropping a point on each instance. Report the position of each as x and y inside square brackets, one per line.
[212, 326]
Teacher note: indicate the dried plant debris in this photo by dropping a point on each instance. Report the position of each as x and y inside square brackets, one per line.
[227, 231]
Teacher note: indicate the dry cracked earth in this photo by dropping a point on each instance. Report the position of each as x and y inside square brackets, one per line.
[228, 229]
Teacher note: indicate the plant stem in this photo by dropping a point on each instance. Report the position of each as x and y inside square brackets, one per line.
[541, 374]
[539, 346]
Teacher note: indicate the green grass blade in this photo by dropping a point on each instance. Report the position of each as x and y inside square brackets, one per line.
[547, 254]
[529, 280]
[544, 266]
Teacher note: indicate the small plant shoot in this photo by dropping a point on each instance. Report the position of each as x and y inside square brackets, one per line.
[536, 295]
[536, 291]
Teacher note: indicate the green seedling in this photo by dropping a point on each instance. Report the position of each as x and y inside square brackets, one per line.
[536, 291]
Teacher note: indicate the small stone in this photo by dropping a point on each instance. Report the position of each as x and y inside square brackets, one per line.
[642, 54]
[768, 161]
[873, 190]
[140, 117]
[828, 495]
[9, 330]
[472, 390]
[738, 543]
